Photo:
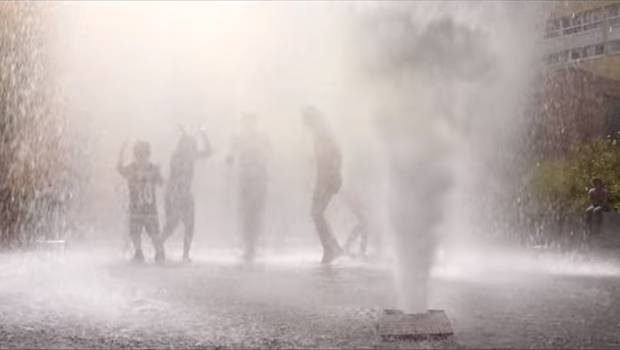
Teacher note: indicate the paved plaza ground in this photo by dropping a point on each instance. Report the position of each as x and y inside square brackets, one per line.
[81, 299]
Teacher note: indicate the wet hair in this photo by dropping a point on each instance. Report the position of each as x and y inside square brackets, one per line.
[142, 149]
[597, 180]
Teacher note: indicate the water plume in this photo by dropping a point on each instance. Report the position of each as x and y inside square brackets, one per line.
[451, 83]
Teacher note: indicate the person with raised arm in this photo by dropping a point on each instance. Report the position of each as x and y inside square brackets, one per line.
[179, 200]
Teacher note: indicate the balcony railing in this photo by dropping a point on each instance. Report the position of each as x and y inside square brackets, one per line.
[587, 43]
[586, 21]
[584, 53]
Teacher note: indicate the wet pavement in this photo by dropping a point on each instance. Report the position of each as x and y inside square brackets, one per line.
[89, 299]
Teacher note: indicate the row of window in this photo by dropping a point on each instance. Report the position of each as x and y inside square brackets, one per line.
[613, 47]
[583, 21]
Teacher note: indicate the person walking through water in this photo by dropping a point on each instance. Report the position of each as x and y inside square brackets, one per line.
[599, 203]
[328, 159]
[179, 201]
[142, 178]
[251, 152]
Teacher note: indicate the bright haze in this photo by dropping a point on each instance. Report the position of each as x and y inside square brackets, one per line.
[426, 100]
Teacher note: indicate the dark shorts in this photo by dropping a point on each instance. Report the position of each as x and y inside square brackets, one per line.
[148, 223]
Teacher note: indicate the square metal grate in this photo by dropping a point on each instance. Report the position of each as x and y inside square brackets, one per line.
[395, 325]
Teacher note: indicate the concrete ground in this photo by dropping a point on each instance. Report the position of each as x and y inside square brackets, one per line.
[85, 299]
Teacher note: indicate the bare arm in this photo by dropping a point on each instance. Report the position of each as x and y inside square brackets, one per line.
[206, 145]
[120, 165]
[159, 180]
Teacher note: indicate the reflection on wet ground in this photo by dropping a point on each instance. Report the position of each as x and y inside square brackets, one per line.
[86, 299]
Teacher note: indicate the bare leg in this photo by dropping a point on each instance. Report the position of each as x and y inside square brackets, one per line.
[188, 223]
[359, 210]
[320, 201]
[137, 241]
[152, 228]
[172, 219]
[250, 219]
[588, 214]
[355, 232]
[363, 241]
[135, 232]
[597, 219]
[588, 219]
[252, 207]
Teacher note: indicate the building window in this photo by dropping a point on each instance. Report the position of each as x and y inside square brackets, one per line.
[554, 58]
[558, 57]
[572, 24]
[553, 28]
[593, 15]
[591, 50]
[592, 19]
[613, 14]
[578, 53]
[613, 46]
[613, 10]
[599, 49]
[582, 21]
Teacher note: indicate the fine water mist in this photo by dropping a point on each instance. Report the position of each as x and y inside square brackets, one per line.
[426, 100]
[450, 84]
[137, 71]
[435, 109]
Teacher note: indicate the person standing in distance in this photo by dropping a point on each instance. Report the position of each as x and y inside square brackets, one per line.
[143, 178]
[251, 151]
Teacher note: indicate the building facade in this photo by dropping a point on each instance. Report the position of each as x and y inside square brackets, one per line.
[580, 98]
[586, 33]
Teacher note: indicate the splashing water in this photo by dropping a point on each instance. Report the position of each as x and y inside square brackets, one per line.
[451, 83]
[428, 97]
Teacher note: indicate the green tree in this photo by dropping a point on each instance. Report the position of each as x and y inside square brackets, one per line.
[561, 186]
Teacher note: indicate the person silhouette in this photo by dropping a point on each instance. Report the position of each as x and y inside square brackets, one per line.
[328, 158]
[251, 152]
[142, 178]
[179, 200]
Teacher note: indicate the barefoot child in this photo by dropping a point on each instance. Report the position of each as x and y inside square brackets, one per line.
[142, 178]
